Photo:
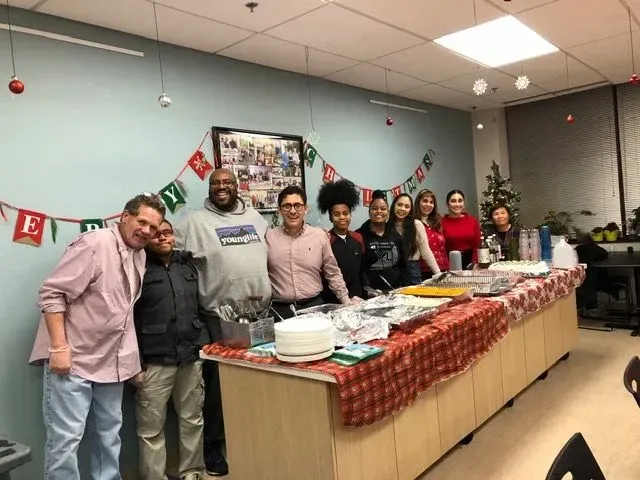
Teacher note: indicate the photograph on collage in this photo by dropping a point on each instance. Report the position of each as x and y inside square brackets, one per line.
[264, 163]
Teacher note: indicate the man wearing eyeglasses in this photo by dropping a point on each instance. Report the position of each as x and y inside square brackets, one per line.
[300, 256]
[87, 339]
[226, 239]
[168, 329]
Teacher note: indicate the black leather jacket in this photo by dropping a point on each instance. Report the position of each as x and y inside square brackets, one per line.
[166, 314]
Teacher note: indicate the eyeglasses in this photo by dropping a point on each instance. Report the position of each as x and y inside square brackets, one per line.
[222, 183]
[165, 233]
[288, 206]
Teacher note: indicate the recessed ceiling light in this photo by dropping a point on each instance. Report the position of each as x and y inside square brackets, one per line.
[498, 42]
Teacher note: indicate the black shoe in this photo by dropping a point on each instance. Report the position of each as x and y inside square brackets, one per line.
[215, 463]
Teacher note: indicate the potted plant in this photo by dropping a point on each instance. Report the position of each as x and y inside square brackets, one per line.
[611, 232]
[561, 223]
[634, 222]
[597, 234]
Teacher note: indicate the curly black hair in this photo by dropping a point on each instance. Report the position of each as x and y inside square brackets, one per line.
[340, 192]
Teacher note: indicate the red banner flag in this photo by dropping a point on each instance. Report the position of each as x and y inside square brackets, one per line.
[367, 193]
[420, 174]
[395, 191]
[329, 173]
[200, 165]
[29, 228]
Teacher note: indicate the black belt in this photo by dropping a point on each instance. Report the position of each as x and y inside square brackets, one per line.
[297, 303]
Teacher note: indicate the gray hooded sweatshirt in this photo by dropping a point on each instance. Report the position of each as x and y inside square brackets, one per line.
[229, 253]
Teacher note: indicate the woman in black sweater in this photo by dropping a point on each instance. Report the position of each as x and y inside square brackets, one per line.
[385, 259]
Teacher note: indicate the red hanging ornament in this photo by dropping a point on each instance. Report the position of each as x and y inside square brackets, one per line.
[389, 120]
[16, 86]
[634, 80]
[570, 119]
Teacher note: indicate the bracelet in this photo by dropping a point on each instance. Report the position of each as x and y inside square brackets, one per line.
[59, 349]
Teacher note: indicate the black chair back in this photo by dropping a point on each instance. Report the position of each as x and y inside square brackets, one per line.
[575, 458]
[632, 374]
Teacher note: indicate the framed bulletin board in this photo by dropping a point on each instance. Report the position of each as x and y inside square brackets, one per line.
[264, 163]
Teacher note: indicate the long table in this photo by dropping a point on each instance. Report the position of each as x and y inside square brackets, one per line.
[286, 423]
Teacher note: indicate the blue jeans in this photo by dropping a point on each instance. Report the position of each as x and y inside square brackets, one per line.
[415, 275]
[68, 402]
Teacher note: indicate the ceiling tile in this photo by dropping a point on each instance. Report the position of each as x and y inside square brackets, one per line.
[428, 18]
[26, 4]
[371, 77]
[568, 23]
[520, 5]
[544, 68]
[131, 16]
[195, 32]
[495, 79]
[336, 30]
[233, 12]
[429, 62]
[512, 94]
[610, 53]
[579, 79]
[276, 53]
[438, 95]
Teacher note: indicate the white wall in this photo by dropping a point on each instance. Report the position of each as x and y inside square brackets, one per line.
[489, 143]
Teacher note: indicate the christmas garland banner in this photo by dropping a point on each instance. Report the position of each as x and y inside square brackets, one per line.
[30, 225]
[410, 185]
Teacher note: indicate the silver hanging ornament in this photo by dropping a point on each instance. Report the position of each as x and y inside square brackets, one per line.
[164, 100]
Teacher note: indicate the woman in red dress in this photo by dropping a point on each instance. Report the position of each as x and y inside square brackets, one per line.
[426, 208]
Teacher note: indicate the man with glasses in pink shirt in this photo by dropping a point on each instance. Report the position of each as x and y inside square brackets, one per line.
[300, 257]
[87, 339]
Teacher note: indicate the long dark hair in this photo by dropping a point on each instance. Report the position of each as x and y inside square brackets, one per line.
[434, 219]
[409, 232]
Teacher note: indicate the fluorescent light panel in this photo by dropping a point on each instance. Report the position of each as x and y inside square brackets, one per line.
[498, 42]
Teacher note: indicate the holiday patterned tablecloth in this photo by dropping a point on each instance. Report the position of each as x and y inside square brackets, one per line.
[411, 363]
[531, 295]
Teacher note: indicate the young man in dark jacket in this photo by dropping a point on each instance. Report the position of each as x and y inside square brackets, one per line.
[168, 329]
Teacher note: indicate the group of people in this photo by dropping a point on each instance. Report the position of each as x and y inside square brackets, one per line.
[135, 302]
[406, 242]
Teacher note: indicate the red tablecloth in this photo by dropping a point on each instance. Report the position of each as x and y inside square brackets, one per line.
[533, 294]
[374, 389]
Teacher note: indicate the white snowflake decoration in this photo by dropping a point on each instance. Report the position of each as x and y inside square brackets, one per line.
[480, 86]
[522, 82]
[313, 137]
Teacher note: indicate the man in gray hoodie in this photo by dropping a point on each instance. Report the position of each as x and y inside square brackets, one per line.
[226, 239]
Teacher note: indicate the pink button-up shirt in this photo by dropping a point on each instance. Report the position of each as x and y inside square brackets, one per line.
[296, 265]
[95, 284]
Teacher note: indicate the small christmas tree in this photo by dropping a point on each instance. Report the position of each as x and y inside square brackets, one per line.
[499, 191]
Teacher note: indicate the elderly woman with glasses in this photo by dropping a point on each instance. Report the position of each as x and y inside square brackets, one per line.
[299, 257]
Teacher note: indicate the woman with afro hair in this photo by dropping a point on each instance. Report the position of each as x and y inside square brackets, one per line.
[339, 199]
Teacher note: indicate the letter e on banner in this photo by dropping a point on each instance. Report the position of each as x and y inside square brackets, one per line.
[29, 228]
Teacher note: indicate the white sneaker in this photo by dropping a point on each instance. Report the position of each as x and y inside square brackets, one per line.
[192, 476]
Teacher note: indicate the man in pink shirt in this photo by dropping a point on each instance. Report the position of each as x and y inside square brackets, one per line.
[87, 340]
[299, 258]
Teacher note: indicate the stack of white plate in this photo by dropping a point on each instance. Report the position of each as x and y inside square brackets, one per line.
[304, 338]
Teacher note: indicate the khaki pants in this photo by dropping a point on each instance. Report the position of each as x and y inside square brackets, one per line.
[185, 386]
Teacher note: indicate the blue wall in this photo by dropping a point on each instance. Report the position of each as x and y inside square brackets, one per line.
[87, 134]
